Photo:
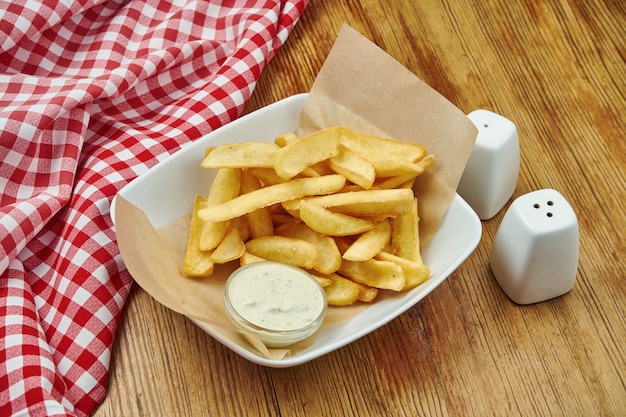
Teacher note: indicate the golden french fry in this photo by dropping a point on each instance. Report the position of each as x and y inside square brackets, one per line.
[342, 291]
[350, 188]
[356, 169]
[212, 234]
[427, 162]
[366, 202]
[405, 237]
[389, 157]
[197, 263]
[393, 167]
[208, 150]
[329, 258]
[300, 154]
[367, 294]
[397, 181]
[377, 218]
[323, 281]
[241, 155]
[309, 172]
[408, 184]
[241, 223]
[248, 258]
[373, 147]
[280, 216]
[414, 272]
[226, 186]
[326, 222]
[281, 219]
[286, 138]
[296, 252]
[323, 168]
[267, 176]
[370, 243]
[292, 207]
[231, 247]
[260, 221]
[273, 194]
[374, 273]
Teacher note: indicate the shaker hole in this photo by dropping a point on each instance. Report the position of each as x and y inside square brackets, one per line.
[549, 214]
[536, 205]
[550, 203]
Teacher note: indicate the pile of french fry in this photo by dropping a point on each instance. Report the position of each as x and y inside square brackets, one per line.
[336, 203]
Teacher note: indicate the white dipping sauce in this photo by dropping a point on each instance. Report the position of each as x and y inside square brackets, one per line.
[276, 297]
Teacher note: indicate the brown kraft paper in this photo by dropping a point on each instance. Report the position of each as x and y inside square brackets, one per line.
[359, 87]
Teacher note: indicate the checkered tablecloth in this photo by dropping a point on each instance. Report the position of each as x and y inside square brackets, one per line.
[92, 94]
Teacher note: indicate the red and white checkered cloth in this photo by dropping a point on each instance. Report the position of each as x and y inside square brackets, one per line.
[92, 94]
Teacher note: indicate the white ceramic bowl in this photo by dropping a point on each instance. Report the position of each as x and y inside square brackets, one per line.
[181, 178]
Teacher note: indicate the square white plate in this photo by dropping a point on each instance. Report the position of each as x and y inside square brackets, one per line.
[181, 178]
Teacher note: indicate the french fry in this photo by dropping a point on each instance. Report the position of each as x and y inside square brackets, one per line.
[296, 252]
[356, 169]
[212, 234]
[367, 294]
[323, 168]
[208, 150]
[281, 219]
[326, 222]
[242, 227]
[379, 274]
[231, 247]
[408, 184]
[322, 280]
[330, 257]
[273, 194]
[248, 258]
[405, 238]
[367, 202]
[385, 275]
[260, 220]
[370, 243]
[309, 172]
[397, 181]
[374, 147]
[389, 157]
[285, 138]
[300, 154]
[342, 291]
[395, 166]
[414, 272]
[292, 207]
[197, 263]
[241, 155]
[267, 176]
[427, 162]
[226, 186]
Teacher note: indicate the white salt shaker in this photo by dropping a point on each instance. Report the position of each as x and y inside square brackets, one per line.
[535, 252]
[491, 173]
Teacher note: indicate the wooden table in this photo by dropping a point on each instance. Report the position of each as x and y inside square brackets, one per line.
[556, 68]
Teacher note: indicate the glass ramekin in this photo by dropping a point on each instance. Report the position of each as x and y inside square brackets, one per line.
[278, 303]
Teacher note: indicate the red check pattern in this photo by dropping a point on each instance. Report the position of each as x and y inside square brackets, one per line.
[92, 94]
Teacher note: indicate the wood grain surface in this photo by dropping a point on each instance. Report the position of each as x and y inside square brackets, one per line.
[556, 68]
